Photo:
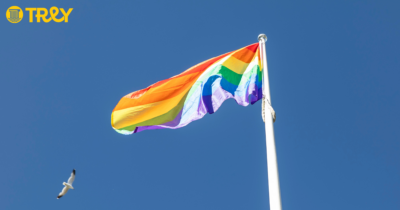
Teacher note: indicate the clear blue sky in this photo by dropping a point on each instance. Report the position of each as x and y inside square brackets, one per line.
[334, 74]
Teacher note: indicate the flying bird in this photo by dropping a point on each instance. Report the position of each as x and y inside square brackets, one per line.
[68, 185]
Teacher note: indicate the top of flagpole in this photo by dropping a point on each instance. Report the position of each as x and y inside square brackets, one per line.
[262, 36]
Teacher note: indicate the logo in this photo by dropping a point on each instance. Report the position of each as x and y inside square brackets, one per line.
[14, 14]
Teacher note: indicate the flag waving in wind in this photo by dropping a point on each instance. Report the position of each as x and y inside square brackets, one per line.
[179, 100]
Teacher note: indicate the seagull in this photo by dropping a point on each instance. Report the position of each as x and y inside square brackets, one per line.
[67, 185]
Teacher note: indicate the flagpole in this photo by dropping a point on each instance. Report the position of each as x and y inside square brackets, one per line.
[273, 176]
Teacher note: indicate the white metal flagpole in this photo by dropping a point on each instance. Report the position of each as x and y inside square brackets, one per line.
[273, 176]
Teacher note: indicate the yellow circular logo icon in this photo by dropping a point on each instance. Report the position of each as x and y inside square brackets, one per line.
[14, 14]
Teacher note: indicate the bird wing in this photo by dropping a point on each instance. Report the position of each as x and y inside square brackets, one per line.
[63, 191]
[72, 177]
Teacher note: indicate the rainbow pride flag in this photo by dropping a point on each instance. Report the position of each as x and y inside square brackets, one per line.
[179, 100]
